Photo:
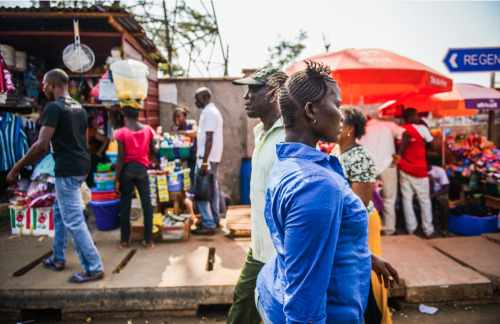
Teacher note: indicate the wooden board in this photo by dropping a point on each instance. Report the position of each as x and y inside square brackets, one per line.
[238, 221]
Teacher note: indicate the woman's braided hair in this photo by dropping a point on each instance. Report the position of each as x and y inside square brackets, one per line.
[294, 92]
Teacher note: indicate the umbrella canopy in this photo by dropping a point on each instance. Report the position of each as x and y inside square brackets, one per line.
[463, 100]
[375, 75]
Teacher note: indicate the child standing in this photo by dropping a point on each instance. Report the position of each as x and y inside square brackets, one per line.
[135, 141]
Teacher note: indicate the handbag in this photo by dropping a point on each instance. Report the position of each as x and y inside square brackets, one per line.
[204, 187]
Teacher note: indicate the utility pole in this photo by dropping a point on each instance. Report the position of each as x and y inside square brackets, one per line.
[168, 43]
[326, 43]
[491, 113]
[226, 55]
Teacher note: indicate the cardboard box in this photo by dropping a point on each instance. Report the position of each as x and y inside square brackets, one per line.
[20, 220]
[32, 221]
[42, 220]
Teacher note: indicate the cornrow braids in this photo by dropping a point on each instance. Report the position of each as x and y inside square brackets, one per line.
[293, 93]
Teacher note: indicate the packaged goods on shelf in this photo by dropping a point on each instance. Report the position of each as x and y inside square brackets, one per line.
[477, 159]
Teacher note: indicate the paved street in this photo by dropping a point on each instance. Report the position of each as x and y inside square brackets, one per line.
[172, 279]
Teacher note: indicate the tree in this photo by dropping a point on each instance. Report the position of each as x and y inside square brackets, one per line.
[178, 30]
[181, 30]
[287, 51]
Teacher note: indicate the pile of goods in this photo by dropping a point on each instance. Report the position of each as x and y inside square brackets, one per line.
[175, 146]
[32, 201]
[326, 147]
[477, 159]
[104, 178]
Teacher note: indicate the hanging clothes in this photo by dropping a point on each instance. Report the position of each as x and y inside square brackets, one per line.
[13, 140]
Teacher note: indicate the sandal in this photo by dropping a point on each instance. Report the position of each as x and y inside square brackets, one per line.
[82, 277]
[53, 266]
[148, 246]
[124, 245]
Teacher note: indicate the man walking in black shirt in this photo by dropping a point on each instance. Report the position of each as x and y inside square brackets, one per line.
[64, 124]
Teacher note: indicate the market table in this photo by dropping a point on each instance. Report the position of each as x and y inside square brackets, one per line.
[492, 201]
[177, 197]
[238, 220]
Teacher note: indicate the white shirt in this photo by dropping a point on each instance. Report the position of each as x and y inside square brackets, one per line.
[424, 132]
[263, 158]
[379, 140]
[210, 121]
[439, 176]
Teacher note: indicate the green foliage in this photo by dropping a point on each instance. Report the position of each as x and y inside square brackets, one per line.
[286, 51]
[176, 29]
[183, 30]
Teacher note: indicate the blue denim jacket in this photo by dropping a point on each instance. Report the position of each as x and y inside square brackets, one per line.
[321, 273]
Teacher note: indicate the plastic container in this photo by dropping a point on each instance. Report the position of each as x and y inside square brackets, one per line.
[130, 79]
[8, 54]
[472, 225]
[245, 173]
[103, 167]
[21, 61]
[112, 156]
[172, 153]
[103, 195]
[105, 185]
[175, 181]
[107, 214]
[112, 147]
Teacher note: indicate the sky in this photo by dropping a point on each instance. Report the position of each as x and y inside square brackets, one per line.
[420, 30]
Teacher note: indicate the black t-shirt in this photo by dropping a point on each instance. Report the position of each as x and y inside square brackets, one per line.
[69, 143]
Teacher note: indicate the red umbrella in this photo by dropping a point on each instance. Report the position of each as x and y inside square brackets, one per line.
[463, 100]
[375, 75]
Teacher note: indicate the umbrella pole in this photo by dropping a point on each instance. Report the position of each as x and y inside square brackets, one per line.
[491, 114]
[443, 143]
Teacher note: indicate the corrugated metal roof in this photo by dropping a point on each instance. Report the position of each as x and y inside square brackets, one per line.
[92, 19]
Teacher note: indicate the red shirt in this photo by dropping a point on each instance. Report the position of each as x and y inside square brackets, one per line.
[136, 143]
[414, 160]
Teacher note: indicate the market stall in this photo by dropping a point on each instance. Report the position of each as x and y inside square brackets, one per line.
[471, 160]
[32, 41]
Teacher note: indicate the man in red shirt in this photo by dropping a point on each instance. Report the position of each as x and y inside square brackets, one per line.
[413, 177]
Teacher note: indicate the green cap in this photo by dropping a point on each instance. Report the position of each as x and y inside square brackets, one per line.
[258, 78]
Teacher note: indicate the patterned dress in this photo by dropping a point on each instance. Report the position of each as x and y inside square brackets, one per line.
[358, 166]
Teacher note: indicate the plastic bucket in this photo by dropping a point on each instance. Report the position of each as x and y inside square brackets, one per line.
[107, 214]
[103, 194]
[112, 156]
[172, 153]
[245, 173]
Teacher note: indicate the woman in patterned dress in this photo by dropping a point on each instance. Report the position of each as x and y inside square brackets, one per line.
[359, 170]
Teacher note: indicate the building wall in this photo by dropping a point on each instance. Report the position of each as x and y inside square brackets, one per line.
[238, 128]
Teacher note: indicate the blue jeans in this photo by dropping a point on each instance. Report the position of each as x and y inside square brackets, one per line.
[260, 309]
[68, 218]
[135, 174]
[209, 210]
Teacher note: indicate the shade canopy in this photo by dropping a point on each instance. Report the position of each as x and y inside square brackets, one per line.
[368, 76]
[463, 100]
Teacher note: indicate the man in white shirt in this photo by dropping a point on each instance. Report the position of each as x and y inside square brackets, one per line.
[258, 104]
[209, 153]
[440, 186]
[379, 140]
[413, 176]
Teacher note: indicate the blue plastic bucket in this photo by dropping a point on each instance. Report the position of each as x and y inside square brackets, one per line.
[245, 173]
[107, 214]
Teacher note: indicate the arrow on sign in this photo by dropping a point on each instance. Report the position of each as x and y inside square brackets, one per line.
[452, 60]
[473, 59]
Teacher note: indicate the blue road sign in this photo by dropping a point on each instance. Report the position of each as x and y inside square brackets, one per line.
[473, 59]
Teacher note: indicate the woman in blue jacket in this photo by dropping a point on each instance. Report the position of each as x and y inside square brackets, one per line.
[319, 227]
